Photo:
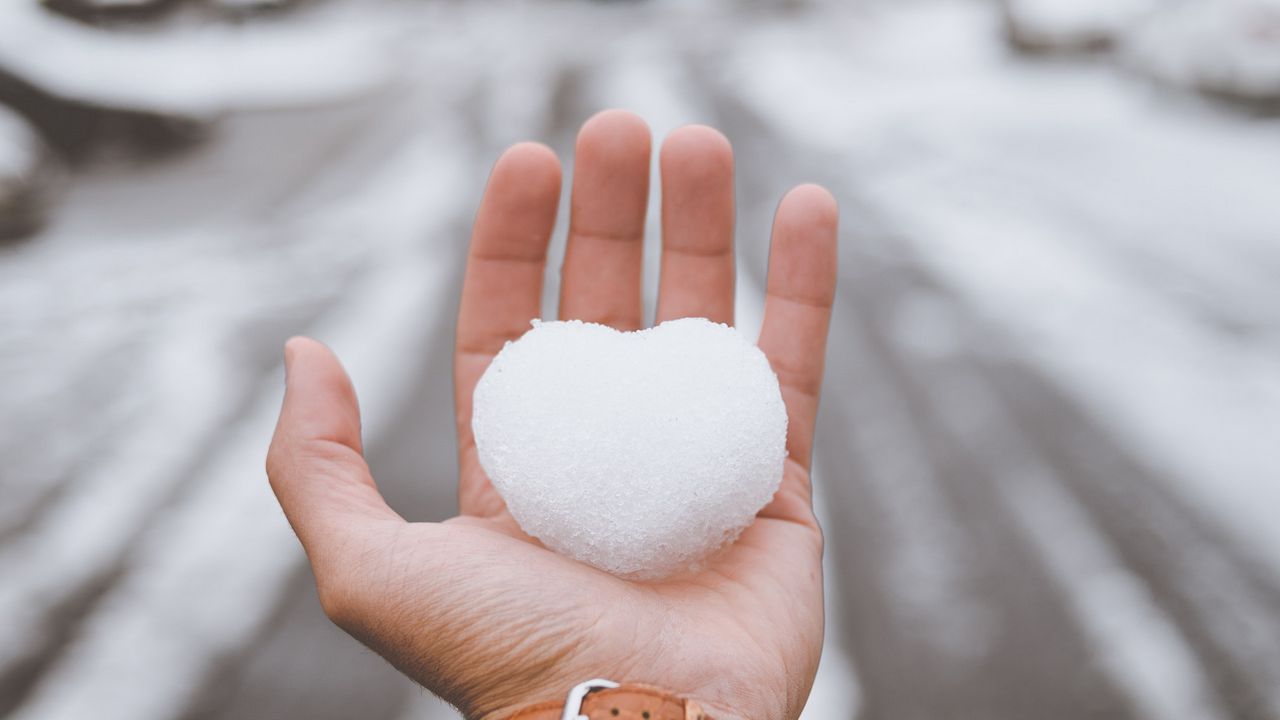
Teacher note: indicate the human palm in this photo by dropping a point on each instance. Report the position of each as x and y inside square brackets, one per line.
[481, 613]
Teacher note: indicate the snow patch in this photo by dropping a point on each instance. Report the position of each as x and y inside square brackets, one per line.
[198, 71]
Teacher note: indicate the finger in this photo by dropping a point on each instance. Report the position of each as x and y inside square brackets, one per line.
[315, 464]
[797, 309]
[697, 226]
[600, 281]
[502, 289]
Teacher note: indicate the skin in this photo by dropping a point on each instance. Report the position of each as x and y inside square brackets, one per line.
[477, 611]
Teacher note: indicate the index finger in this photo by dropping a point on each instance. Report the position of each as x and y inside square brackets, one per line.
[502, 289]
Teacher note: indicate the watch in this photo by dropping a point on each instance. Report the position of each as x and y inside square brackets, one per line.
[602, 699]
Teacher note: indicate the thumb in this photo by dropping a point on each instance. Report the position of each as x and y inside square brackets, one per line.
[315, 463]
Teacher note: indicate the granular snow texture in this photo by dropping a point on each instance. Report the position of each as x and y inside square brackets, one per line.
[638, 453]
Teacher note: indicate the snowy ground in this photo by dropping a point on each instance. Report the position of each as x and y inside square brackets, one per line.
[1048, 456]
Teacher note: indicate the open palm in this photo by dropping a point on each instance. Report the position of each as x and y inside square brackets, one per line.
[476, 610]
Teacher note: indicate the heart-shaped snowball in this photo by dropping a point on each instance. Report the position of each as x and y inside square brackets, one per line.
[636, 452]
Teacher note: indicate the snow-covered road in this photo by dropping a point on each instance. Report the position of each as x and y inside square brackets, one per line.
[1050, 444]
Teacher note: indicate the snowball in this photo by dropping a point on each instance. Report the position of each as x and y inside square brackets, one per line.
[637, 452]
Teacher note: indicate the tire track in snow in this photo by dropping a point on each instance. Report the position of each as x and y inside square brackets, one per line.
[136, 631]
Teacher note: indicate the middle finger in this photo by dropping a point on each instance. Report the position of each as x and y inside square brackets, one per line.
[601, 276]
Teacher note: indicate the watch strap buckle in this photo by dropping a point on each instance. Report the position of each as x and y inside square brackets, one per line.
[573, 701]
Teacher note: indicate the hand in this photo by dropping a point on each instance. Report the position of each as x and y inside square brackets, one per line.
[473, 608]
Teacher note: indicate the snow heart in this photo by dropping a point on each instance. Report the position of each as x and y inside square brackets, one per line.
[636, 452]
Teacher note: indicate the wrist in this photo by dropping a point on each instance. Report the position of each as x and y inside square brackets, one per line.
[601, 699]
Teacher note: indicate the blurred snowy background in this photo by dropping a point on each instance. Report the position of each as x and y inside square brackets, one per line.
[1049, 458]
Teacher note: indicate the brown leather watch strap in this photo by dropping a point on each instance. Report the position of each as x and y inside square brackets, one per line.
[628, 702]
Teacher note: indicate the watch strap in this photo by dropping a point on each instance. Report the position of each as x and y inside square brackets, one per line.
[625, 702]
